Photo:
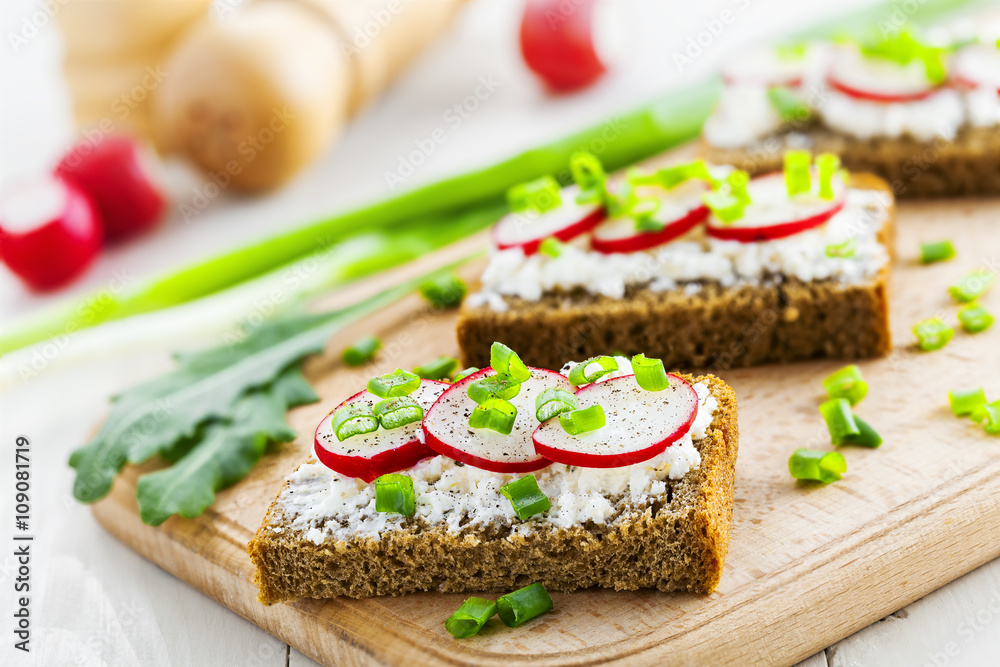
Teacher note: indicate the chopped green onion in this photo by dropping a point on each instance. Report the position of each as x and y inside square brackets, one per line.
[642, 210]
[649, 373]
[843, 250]
[526, 498]
[932, 334]
[354, 419]
[738, 180]
[577, 422]
[903, 48]
[400, 411]
[538, 196]
[989, 416]
[554, 401]
[394, 494]
[839, 419]
[461, 375]
[396, 383]
[670, 177]
[939, 251]
[551, 247]
[439, 369]
[978, 413]
[789, 106]
[580, 375]
[975, 318]
[827, 165]
[506, 362]
[469, 618]
[972, 286]
[866, 437]
[493, 386]
[846, 383]
[588, 174]
[724, 206]
[798, 177]
[495, 414]
[823, 467]
[965, 402]
[523, 605]
[362, 351]
[446, 291]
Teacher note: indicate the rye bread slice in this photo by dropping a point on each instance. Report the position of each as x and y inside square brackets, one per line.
[674, 541]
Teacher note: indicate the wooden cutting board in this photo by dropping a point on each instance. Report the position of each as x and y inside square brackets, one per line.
[807, 565]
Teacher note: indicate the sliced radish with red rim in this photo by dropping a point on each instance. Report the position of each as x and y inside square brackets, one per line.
[680, 211]
[879, 80]
[639, 424]
[978, 66]
[370, 455]
[526, 230]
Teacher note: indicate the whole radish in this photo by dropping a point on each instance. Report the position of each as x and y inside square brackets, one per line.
[567, 42]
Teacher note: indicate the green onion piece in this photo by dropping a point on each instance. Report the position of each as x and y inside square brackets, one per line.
[903, 48]
[580, 374]
[789, 106]
[989, 416]
[670, 177]
[588, 173]
[554, 401]
[400, 411]
[975, 318]
[354, 419]
[939, 251]
[843, 250]
[724, 206]
[551, 247]
[866, 437]
[394, 494]
[642, 210]
[738, 180]
[649, 373]
[965, 402]
[445, 291]
[469, 618]
[827, 165]
[506, 362]
[361, 351]
[972, 285]
[846, 383]
[439, 369]
[577, 422]
[396, 383]
[839, 419]
[523, 605]
[791, 51]
[495, 414]
[798, 177]
[526, 498]
[461, 375]
[932, 334]
[503, 387]
[823, 467]
[538, 196]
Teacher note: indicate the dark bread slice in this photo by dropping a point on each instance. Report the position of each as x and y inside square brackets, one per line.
[676, 541]
[969, 165]
[716, 328]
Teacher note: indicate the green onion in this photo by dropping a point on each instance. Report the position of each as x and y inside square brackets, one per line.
[827, 165]
[588, 173]
[798, 177]
[493, 386]
[523, 605]
[843, 250]
[470, 617]
[789, 106]
[932, 334]
[846, 383]
[972, 286]
[579, 375]
[866, 437]
[939, 251]
[978, 413]
[400, 411]
[577, 422]
[526, 498]
[670, 177]
[354, 419]
[439, 369]
[461, 375]
[446, 291]
[495, 414]
[649, 373]
[965, 402]
[724, 206]
[396, 383]
[823, 467]
[989, 416]
[554, 401]
[975, 318]
[506, 362]
[551, 247]
[539, 196]
[791, 51]
[839, 419]
[903, 48]
[394, 494]
[642, 210]
[362, 351]
[738, 180]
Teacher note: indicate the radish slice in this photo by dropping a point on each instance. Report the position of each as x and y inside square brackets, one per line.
[680, 211]
[879, 80]
[978, 66]
[371, 455]
[773, 215]
[765, 68]
[639, 424]
[527, 230]
[447, 430]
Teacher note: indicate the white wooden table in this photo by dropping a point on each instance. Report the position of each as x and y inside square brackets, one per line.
[95, 602]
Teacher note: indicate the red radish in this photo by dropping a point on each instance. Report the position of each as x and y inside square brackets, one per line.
[113, 173]
[49, 232]
[978, 66]
[447, 430]
[568, 44]
[765, 67]
[527, 230]
[773, 215]
[680, 211]
[371, 455]
[639, 424]
[879, 80]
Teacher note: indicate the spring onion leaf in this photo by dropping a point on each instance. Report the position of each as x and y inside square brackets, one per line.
[362, 351]
[396, 412]
[588, 173]
[809, 464]
[903, 48]
[939, 251]
[827, 165]
[396, 383]
[670, 177]
[839, 420]
[643, 210]
[989, 416]
[445, 291]
[439, 369]
[523, 605]
[843, 250]
[584, 372]
[495, 414]
[578, 422]
[537, 196]
[737, 181]
[965, 402]
[846, 383]
[525, 497]
[354, 419]
[798, 174]
[724, 206]
[394, 494]
[972, 286]
[461, 375]
[649, 373]
[866, 437]
[554, 401]
[788, 104]
[975, 318]
[551, 247]
[470, 617]
[932, 334]
[506, 362]
[493, 386]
